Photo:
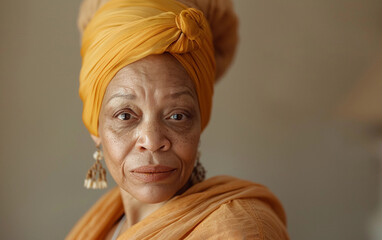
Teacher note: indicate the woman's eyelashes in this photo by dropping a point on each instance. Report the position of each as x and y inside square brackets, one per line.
[125, 115]
[177, 116]
[180, 116]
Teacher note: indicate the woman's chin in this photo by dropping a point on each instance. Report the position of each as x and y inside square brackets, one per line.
[153, 193]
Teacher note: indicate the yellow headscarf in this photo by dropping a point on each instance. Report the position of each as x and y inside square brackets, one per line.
[124, 31]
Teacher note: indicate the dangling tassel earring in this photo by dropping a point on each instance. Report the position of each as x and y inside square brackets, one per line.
[91, 180]
[199, 172]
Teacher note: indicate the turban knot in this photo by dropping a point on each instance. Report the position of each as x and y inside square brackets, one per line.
[191, 23]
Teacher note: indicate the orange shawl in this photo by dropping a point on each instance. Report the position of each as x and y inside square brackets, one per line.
[219, 208]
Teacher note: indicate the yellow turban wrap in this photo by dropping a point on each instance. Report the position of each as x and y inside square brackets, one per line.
[124, 31]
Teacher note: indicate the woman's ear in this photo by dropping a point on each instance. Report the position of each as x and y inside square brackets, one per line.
[96, 140]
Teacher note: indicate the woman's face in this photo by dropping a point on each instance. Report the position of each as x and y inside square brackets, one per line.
[149, 126]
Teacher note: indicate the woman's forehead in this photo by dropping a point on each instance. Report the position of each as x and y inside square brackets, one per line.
[155, 71]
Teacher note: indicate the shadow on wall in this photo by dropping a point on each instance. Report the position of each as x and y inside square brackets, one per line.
[364, 104]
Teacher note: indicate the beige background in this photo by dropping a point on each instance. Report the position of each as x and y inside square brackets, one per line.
[272, 121]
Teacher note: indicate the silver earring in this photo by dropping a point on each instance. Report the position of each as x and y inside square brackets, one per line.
[96, 176]
[199, 172]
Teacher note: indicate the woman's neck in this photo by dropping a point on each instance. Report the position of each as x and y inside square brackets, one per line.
[136, 210]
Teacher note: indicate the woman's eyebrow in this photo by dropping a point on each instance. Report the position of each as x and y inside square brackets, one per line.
[178, 94]
[128, 96]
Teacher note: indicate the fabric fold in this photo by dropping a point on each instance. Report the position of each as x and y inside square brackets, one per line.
[182, 216]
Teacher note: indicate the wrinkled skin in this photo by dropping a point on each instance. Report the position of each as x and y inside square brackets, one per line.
[150, 116]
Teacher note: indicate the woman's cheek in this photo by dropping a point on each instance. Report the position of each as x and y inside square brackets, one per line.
[187, 146]
[117, 142]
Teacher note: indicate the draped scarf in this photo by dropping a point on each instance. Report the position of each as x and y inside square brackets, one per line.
[185, 216]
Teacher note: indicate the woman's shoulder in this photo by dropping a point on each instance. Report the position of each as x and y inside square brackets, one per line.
[246, 218]
[250, 211]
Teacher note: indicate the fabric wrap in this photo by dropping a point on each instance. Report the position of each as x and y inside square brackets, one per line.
[124, 31]
[221, 207]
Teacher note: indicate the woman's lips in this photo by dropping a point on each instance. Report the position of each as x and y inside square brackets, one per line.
[152, 173]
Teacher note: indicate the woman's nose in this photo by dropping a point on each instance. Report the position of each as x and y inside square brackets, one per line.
[152, 137]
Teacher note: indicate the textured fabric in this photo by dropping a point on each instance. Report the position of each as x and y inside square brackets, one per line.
[124, 31]
[219, 208]
[219, 13]
[224, 26]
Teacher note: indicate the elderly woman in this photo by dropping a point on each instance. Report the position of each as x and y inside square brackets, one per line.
[149, 68]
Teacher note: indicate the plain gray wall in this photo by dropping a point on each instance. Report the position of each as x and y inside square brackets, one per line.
[273, 119]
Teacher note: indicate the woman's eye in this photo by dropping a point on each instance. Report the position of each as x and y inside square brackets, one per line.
[177, 116]
[124, 116]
